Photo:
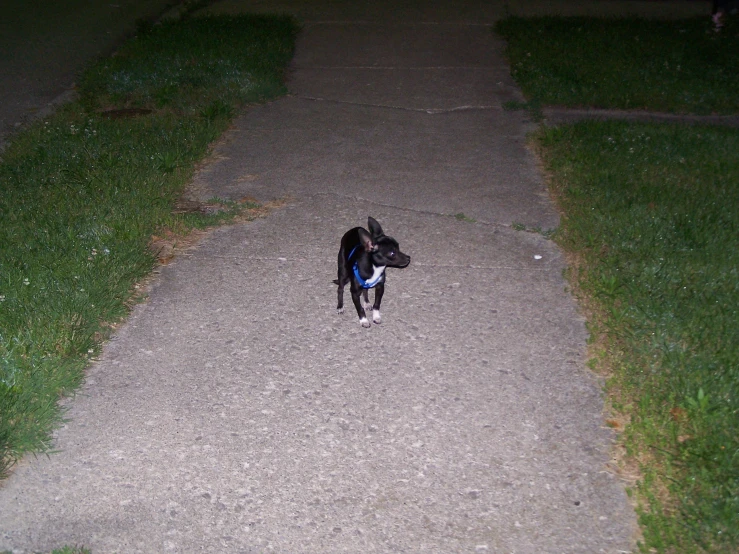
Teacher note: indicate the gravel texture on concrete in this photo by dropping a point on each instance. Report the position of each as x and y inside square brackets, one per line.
[236, 411]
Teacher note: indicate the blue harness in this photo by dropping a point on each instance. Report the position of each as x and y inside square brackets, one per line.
[362, 283]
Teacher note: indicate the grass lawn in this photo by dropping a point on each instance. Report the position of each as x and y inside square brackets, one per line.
[679, 66]
[84, 192]
[651, 215]
[650, 219]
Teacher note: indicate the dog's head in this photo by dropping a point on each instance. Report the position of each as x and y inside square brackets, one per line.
[384, 250]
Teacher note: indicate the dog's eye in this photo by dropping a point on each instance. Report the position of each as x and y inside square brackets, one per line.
[391, 254]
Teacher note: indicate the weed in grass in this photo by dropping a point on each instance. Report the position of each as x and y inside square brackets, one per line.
[167, 161]
[652, 214]
[85, 191]
[678, 66]
[217, 109]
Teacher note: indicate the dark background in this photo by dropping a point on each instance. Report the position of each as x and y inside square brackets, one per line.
[45, 43]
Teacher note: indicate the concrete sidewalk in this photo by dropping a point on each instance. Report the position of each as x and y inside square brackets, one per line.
[237, 412]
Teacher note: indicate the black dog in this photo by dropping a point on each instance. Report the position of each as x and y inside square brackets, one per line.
[363, 257]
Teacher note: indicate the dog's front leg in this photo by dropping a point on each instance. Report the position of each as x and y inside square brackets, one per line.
[379, 291]
[357, 299]
[365, 296]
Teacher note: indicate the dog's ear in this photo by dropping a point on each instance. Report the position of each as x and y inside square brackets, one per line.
[366, 240]
[374, 228]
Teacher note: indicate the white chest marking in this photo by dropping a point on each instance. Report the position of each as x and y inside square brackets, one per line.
[377, 273]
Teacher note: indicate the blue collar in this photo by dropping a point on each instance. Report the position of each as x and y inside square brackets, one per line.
[371, 283]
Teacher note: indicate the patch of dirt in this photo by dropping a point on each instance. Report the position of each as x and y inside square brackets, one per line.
[168, 243]
[555, 115]
[122, 113]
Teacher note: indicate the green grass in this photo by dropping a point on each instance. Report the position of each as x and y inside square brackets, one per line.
[83, 193]
[651, 220]
[201, 66]
[680, 66]
[651, 213]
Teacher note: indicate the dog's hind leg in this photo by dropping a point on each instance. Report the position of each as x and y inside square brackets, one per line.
[340, 303]
[341, 280]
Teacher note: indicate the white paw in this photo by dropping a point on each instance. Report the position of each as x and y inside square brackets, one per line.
[376, 316]
[339, 311]
[365, 322]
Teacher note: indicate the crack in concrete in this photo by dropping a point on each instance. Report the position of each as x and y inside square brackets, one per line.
[411, 210]
[309, 23]
[431, 111]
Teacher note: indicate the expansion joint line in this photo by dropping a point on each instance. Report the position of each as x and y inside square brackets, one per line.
[456, 267]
